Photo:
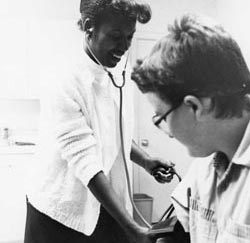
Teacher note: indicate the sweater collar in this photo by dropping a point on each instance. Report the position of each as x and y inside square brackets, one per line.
[95, 68]
[98, 71]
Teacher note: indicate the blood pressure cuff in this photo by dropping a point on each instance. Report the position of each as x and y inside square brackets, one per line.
[170, 230]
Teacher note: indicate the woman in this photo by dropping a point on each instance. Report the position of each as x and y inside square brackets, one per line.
[80, 140]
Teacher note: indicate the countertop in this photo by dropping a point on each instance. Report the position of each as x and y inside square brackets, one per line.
[17, 149]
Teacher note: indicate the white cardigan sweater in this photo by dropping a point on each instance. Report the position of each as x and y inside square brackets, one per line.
[79, 137]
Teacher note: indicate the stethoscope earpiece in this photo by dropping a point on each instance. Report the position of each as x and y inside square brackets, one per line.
[89, 32]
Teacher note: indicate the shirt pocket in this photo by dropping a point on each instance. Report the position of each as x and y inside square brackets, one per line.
[236, 232]
[202, 230]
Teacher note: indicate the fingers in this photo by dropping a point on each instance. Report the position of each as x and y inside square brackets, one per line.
[163, 171]
[164, 179]
[167, 163]
[163, 176]
[171, 164]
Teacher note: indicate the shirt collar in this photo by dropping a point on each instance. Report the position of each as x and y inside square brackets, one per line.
[220, 162]
[242, 154]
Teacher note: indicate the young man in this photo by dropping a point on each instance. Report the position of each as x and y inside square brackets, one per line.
[199, 84]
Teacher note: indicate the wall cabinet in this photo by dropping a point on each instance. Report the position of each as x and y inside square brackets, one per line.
[32, 35]
[13, 58]
[14, 182]
[54, 46]
[34, 52]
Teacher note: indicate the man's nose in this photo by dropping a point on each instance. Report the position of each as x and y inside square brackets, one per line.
[168, 134]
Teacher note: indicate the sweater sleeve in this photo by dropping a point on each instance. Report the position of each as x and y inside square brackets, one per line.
[74, 136]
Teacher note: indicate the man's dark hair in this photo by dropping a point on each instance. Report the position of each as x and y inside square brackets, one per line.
[197, 57]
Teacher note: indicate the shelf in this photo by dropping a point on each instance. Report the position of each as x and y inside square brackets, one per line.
[27, 149]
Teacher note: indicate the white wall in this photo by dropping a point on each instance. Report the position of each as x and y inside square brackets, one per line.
[39, 9]
[235, 17]
[164, 11]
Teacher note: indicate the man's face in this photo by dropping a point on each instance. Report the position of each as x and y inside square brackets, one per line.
[111, 39]
[184, 124]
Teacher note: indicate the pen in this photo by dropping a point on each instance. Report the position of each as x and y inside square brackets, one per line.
[188, 196]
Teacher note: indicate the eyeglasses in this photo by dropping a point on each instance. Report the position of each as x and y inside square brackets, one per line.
[161, 121]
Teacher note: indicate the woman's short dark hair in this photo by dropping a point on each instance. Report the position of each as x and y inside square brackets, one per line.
[197, 57]
[95, 9]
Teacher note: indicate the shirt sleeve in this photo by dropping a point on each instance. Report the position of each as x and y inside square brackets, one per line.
[73, 134]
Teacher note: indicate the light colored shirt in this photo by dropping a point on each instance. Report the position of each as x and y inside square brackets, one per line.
[218, 210]
[79, 137]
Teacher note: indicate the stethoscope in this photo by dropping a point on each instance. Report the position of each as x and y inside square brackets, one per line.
[170, 210]
[120, 87]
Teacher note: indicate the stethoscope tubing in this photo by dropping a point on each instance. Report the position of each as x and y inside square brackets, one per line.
[121, 127]
[120, 87]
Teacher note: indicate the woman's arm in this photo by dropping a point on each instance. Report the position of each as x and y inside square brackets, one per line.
[100, 187]
[139, 156]
[159, 168]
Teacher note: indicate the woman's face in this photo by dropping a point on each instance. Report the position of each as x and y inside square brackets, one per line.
[111, 39]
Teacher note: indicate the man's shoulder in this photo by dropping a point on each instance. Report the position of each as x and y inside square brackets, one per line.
[203, 163]
[199, 170]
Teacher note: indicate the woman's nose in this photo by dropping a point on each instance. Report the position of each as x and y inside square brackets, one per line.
[124, 44]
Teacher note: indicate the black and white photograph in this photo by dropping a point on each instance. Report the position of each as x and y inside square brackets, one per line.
[124, 121]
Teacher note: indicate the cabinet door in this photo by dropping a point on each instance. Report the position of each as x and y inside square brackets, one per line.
[14, 174]
[154, 142]
[34, 53]
[54, 48]
[13, 58]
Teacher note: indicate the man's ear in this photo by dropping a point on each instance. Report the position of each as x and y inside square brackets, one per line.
[196, 106]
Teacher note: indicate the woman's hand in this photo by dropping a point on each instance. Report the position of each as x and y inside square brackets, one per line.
[161, 170]
[143, 235]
